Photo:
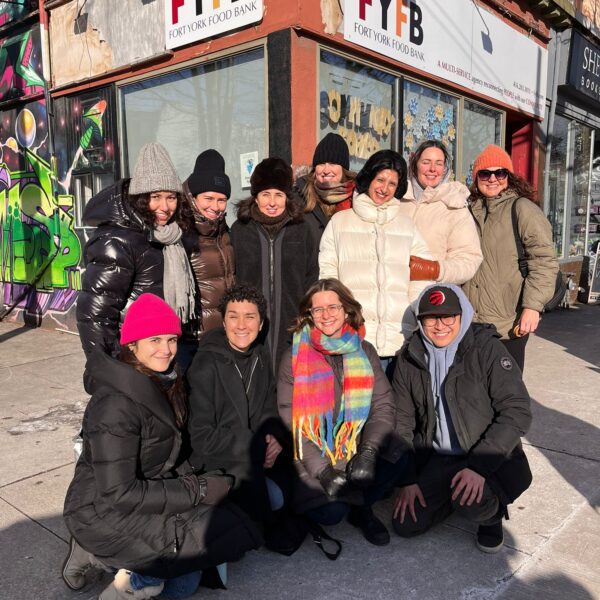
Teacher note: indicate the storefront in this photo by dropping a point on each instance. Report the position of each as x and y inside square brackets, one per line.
[573, 174]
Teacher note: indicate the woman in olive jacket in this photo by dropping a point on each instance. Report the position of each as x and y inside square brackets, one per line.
[132, 503]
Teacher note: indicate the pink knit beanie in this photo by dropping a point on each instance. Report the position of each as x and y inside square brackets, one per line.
[492, 156]
[148, 316]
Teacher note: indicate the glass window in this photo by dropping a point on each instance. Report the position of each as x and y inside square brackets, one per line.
[356, 101]
[481, 126]
[428, 114]
[558, 182]
[218, 105]
[582, 138]
[594, 223]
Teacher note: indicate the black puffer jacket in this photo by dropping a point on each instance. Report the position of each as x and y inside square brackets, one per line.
[122, 261]
[488, 402]
[228, 423]
[126, 504]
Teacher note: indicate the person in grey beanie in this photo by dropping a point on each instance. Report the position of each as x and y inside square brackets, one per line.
[135, 248]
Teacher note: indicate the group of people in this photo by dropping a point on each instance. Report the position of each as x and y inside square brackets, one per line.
[352, 334]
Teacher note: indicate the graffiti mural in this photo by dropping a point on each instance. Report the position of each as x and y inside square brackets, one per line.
[14, 11]
[40, 251]
[21, 66]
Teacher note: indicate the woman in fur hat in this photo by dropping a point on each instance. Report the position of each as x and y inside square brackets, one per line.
[274, 249]
[135, 248]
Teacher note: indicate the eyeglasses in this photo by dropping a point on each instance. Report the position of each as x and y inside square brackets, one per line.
[332, 309]
[431, 321]
[485, 174]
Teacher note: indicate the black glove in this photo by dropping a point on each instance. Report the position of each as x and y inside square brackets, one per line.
[213, 489]
[334, 482]
[361, 468]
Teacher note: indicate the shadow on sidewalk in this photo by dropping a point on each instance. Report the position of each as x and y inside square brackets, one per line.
[4, 337]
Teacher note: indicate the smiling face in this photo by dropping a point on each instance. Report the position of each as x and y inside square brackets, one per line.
[328, 173]
[383, 187]
[328, 313]
[431, 167]
[271, 202]
[163, 205]
[438, 333]
[492, 187]
[242, 323]
[157, 352]
[211, 205]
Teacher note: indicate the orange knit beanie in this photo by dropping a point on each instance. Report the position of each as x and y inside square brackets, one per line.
[492, 156]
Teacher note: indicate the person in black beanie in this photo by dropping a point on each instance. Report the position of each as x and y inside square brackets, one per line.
[208, 244]
[275, 249]
[329, 186]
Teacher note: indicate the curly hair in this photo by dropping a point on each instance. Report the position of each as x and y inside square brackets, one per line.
[515, 184]
[416, 155]
[176, 394]
[350, 305]
[380, 161]
[241, 292]
[183, 213]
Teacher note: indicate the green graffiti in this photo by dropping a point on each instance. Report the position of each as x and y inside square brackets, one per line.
[37, 230]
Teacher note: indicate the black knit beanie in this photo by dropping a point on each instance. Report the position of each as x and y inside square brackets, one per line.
[332, 149]
[209, 175]
[272, 173]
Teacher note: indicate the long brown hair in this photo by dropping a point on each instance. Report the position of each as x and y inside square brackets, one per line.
[515, 184]
[183, 215]
[311, 196]
[176, 394]
[350, 305]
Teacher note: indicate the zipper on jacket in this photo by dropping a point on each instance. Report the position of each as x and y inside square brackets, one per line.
[271, 272]
[178, 517]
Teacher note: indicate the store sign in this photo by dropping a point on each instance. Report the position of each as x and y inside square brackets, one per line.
[456, 40]
[188, 21]
[584, 66]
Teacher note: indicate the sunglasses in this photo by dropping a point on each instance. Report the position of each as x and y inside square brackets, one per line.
[485, 174]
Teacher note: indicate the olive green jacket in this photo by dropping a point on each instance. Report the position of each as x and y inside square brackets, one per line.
[498, 292]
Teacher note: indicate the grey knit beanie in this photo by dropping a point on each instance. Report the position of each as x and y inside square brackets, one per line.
[154, 172]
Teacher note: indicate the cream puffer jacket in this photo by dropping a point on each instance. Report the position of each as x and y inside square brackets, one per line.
[442, 216]
[368, 249]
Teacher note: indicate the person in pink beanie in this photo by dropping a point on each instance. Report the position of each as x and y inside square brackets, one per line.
[133, 504]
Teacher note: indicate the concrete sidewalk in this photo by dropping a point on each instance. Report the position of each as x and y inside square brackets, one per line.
[552, 546]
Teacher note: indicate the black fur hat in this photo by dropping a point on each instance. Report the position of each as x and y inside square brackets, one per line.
[272, 173]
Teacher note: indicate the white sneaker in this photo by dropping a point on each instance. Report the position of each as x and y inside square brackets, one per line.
[120, 589]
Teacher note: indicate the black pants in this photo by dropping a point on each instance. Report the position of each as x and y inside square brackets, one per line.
[434, 481]
[516, 348]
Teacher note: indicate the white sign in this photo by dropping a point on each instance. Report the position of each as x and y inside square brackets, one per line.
[456, 40]
[248, 161]
[188, 21]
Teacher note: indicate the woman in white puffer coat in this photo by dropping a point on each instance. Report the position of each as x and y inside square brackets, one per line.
[439, 209]
[368, 248]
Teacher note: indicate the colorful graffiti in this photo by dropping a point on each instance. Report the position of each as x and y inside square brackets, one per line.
[20, 65]
[40, 251]
[14, 11]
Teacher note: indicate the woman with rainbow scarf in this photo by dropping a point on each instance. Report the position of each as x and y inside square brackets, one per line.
[334, 396]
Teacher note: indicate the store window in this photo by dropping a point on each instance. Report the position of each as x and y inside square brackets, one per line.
[429, 114]
[582, 138]
[218, 105]
[558, 181]
[356, 101]
[481, 126]
[594, 221]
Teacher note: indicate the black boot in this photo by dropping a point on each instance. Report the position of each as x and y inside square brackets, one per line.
[372, 528]
[490, 538]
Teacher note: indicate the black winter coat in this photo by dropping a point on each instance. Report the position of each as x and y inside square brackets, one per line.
[127, 504]
[228, 424]
[282, 268]
[122, 261]
[488, 402]
[316, 219]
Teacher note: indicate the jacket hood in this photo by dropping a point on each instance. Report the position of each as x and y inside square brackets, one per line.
[451, 193]
[215, 341]
[109, 207]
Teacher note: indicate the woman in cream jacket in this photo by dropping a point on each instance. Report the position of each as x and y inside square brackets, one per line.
[368, 249]
[438, 207]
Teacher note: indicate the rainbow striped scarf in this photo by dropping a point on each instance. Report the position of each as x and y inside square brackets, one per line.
[313, 401]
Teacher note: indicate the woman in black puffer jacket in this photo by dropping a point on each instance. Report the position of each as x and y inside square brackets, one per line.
[136, 248]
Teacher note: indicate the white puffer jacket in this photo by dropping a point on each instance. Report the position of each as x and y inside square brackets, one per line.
[368, 249]
[442, 217]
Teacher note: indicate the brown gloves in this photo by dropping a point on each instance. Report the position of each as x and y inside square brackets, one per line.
[422, 269]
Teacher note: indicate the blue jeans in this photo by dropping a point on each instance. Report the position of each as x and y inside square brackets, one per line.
[176, 588]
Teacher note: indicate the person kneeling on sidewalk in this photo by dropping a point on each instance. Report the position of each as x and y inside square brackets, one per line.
[133, 504]
[461, 409]
[335, 398]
